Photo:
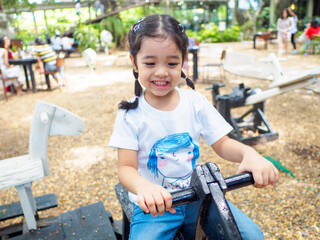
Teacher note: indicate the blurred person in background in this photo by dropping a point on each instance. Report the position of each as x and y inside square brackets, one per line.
[9, 70]
[47, 59]
[294, 29]
[284, 26]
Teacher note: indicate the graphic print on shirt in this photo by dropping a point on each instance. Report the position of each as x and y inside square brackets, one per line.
[173, 158]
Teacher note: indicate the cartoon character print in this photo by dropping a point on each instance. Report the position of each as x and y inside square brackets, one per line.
[173, 158]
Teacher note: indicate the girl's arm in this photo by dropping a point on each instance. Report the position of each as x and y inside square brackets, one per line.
[151, 198]
[264, 172]
[278, 25]
[6, 59]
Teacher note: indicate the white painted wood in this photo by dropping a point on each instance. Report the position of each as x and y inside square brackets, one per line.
[61, 122]
[21, 171]
[303, 76]
[274, 66]
[27, 207]
[30, 197]
[282, 83]
[259, 97]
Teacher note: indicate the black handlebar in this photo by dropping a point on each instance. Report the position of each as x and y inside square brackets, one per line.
[188, 195]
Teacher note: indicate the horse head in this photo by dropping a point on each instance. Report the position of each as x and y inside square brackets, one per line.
[49, 119]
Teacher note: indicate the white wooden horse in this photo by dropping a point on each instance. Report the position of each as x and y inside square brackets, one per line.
[19, 172]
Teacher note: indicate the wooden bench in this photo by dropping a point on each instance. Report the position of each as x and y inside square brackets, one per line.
[266, 36]
[21, 171]
[87, 222]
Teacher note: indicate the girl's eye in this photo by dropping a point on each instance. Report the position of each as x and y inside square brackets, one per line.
[150, 64]
[189, 152]
[173, 64]
[161, 157]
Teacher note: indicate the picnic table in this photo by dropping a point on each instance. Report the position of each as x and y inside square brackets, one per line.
[27, 65]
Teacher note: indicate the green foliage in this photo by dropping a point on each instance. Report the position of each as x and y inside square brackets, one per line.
[265, 13]
[248, 29]
[210, 33]
[17, 5]
[131, 16]
[114, 25]
[231, 34]
[27, 36]
[87, 36]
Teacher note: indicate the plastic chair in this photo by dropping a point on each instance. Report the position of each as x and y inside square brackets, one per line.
[59, 64]
[208, 68]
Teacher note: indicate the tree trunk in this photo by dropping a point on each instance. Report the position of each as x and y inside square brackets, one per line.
[1, 6]
[234, 12]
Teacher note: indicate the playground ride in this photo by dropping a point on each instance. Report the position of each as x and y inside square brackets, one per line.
[207, 213]
[252, 127]
[90, 57]
[106, 38]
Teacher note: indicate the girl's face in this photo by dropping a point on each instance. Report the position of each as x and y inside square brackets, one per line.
[7, 42]
[159, 65]
[284, 14]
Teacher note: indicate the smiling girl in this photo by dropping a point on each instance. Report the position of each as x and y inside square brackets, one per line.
[157, 134]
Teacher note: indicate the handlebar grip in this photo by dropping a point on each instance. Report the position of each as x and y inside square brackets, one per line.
[239, 181]
[188, 195]
[184, 196]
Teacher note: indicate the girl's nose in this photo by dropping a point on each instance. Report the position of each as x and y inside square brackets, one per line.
[161, 71]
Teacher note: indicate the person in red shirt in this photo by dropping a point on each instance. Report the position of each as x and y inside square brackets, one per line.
[314, 29]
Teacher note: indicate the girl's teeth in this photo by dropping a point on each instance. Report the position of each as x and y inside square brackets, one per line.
[160, 83]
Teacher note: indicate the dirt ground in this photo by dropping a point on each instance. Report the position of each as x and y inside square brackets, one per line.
[84, 168]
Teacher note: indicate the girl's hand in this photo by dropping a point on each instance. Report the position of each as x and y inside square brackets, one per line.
[154, 199]
[263, 171]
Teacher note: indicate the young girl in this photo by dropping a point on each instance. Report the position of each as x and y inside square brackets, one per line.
[284, 26]
[157, 134]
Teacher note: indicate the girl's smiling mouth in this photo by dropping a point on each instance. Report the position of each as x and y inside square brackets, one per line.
[161, 83]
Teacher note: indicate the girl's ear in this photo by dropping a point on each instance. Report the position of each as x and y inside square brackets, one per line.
[133, 64]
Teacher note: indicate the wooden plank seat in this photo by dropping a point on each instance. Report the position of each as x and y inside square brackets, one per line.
[14, 210]
[87, 222]
[21, 171]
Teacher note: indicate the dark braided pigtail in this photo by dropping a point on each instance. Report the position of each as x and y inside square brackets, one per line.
[189, 82]
[127, 105]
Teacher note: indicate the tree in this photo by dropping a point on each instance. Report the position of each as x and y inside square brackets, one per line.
[17, 6]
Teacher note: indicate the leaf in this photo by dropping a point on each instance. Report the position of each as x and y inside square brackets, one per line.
[278, 165]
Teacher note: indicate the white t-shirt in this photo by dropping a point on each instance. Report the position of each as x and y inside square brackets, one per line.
[294, 24]
[167, 142]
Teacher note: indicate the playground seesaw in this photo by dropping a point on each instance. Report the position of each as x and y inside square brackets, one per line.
[253, 119]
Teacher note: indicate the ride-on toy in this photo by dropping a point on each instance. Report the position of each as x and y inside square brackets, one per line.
[207, 213]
